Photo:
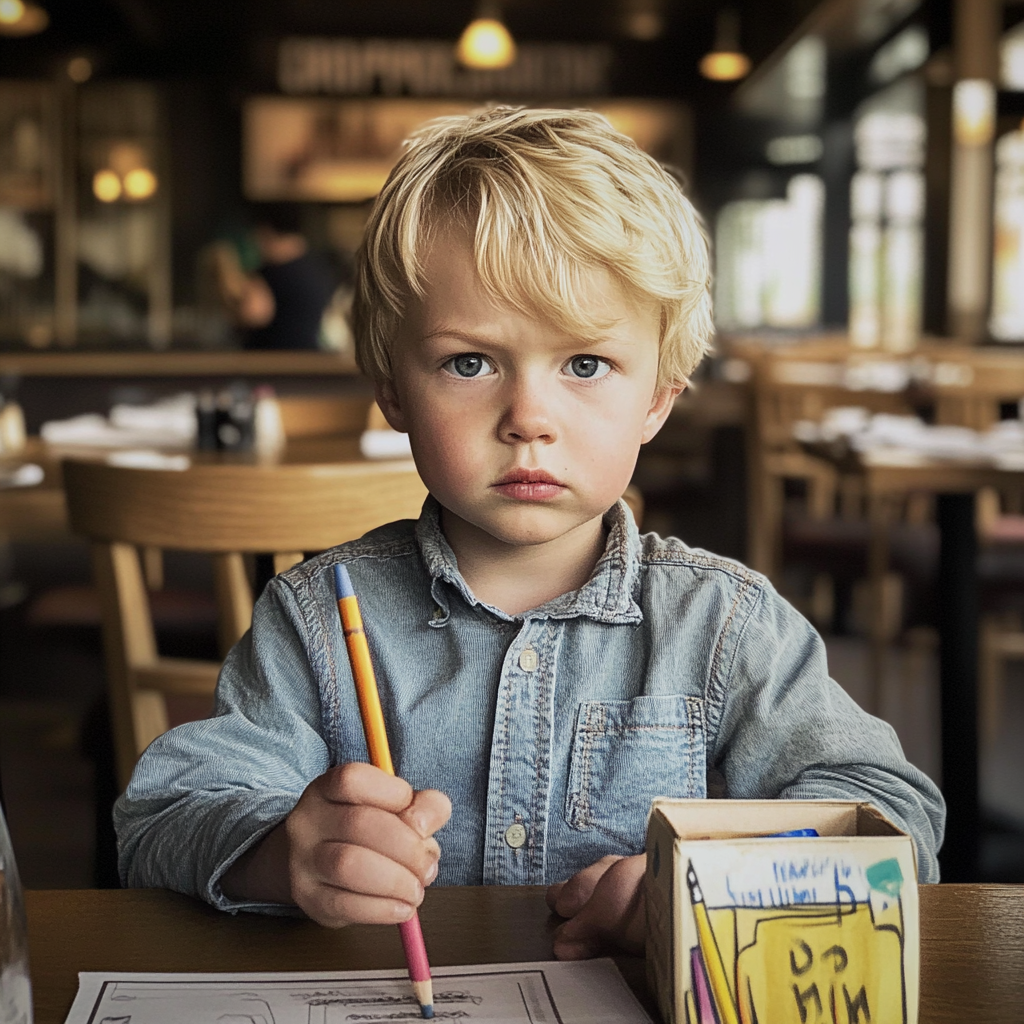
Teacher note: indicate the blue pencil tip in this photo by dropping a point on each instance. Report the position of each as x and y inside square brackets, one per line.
[342, 582]
[427, 1011]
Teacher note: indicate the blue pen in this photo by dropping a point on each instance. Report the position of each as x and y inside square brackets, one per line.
[793, 833]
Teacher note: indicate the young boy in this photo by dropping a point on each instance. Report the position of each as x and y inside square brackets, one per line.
[532, 296]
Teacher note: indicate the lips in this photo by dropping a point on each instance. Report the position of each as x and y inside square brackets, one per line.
[529, 485]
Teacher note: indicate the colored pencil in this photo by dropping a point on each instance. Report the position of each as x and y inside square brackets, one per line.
[705, 1007]
[380, 756]
[710, 953]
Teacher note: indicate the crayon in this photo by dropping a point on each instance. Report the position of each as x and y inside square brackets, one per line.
[380, 756]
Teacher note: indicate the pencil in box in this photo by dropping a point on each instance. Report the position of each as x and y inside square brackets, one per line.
[380, 756]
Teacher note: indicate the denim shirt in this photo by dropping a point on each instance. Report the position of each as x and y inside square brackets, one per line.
[551, 731]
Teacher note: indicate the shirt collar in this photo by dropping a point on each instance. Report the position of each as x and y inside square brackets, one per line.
[608, 596]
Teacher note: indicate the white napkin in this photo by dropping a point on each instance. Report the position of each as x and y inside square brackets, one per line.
[27, 475]
[384, 444]
[169, 423]
[143, 458]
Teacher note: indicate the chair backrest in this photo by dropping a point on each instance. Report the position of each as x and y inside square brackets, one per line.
[322, 415]
[225, 511]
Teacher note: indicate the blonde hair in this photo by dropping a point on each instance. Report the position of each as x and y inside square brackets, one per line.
[547, 195]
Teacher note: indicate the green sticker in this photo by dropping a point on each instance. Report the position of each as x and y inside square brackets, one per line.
[885, 876]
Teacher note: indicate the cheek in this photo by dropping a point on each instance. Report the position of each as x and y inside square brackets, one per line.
[443, 444]
[607, 442]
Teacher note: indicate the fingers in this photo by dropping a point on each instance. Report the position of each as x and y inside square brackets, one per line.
[381, 832]
[613, 916]
[429, 810]
[359, 783]
[361, 846]
[552, 894]
[335, 908]
[351, 868]
[567, 898]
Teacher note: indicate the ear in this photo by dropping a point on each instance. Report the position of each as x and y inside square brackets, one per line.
[387, 399]
[661, 406]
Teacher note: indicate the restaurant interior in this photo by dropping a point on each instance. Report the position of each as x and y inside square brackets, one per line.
[857, 433]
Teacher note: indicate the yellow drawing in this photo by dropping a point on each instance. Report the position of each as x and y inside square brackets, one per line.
[813, 963]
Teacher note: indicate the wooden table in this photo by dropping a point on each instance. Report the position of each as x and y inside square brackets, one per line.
[972, 942]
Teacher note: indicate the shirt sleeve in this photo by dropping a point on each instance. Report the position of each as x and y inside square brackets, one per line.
[206, 791]
[780, 727]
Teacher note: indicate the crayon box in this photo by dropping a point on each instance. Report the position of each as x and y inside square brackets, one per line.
[746, 927]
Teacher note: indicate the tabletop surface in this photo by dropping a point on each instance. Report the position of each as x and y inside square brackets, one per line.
[972, 942]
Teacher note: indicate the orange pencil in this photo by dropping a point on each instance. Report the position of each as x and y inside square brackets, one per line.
[380, 756]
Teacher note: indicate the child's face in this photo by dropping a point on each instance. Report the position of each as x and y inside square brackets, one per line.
[521, 430]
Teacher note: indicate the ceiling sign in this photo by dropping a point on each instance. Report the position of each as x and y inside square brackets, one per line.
[410, 67]
[341, 149]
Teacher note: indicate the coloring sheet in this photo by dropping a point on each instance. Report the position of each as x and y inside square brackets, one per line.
[528, 993]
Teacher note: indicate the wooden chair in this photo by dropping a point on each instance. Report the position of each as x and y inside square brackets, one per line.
[225, 511]
[324, 415]
[792, 383]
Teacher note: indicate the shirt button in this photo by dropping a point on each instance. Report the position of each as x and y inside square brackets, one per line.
[515, 835]
[527, 662]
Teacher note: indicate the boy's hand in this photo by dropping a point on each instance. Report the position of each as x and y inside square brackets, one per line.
[361, 846]
[605, 907]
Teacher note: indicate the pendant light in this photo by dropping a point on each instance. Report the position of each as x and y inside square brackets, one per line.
[485, 42]
[726, 62]
[18, 18]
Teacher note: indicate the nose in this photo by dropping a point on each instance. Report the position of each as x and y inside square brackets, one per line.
[527, 416]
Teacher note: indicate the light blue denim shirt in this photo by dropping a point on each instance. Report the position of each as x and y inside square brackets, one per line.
[668, 667]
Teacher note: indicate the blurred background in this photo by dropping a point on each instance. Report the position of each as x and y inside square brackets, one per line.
[183, 186]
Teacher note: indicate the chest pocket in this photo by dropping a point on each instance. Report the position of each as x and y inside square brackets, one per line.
[625, 753]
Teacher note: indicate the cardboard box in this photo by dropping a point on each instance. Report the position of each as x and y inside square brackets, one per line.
[744, 928]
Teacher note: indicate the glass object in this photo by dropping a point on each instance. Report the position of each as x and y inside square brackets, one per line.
[15, 988]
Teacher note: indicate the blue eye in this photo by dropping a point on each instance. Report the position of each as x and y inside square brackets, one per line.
[469, 364]
[588, 367]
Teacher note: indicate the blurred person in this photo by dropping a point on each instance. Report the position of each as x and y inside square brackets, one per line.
[279, 305]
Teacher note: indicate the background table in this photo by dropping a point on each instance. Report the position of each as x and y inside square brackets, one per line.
[972, 942]
[954, 485]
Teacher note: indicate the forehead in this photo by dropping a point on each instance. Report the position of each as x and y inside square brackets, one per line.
[459, 289]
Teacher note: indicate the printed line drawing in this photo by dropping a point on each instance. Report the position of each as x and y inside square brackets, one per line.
[512, 997]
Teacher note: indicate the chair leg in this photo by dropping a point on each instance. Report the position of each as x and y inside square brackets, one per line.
[128, 641]
[878, 564]
[234, 599]
[990, 681]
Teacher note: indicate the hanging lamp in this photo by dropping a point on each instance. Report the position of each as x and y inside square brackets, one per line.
[726, 62]
[485, 42]
[19, 18]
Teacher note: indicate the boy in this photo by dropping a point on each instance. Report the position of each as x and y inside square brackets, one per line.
[532, 295]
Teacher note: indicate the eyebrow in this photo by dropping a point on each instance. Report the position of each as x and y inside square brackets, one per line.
[480, 339]
[451, 332]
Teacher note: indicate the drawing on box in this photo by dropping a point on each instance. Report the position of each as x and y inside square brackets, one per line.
[515, 997]
[822, 943]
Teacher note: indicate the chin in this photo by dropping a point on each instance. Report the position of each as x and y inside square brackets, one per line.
[531, 524]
